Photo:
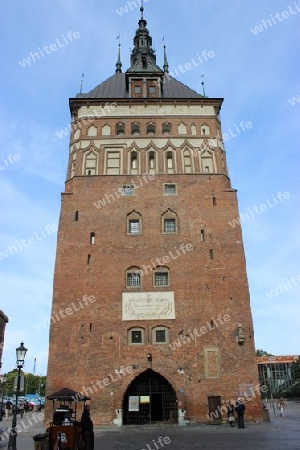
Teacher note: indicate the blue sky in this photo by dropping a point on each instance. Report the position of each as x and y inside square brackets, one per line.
[257, 74]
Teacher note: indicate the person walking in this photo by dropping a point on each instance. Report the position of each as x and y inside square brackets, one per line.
[87, 428]
[240, 409]
[8, 406]
[22, 408]
[230, 414]
[281, 406]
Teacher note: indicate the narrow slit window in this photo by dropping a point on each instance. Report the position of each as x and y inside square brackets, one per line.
[169, 160]
[211, 254]
[187, 162]
[214, 201]
[134, 160]
[202, 236]
[88, 259]
[92, 238]
[76, 216]
[151, 160]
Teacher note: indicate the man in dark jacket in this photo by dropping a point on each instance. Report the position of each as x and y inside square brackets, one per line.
[87, 428]
[240, 409]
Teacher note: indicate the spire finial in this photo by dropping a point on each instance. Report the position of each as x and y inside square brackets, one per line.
[142, 10]
[202, 83]
[166, 64]
[119, 64]
[81, 82]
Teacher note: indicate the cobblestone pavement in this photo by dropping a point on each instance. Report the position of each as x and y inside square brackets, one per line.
[279, 434]
[282, 433]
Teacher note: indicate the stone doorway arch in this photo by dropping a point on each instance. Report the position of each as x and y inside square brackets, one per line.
[149, 398]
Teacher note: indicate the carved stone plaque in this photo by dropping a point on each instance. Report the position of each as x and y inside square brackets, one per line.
[148, 305]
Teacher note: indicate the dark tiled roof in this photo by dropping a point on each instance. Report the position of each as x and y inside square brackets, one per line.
[115, 87]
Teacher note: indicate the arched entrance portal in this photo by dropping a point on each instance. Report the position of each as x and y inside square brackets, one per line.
[148, 399]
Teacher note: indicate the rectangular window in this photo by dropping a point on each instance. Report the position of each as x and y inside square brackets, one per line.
[88, 260]
[134, 226]
[152, 90]
[136, 337]
[127, 190]
[202, 236]
[160, 336]
[214, 201]
[211, 254]
[169, 226]
[137, 89]
[134, 279]
[161, 279]
[76, 216]
[113, 163]
[170, 189]
[92, 238]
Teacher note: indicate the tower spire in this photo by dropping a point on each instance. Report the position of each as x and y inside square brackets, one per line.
[166, 64]
[142, 10]
[119, 64]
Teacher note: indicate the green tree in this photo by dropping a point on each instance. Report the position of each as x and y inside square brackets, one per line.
[260, 352]
[33, 384]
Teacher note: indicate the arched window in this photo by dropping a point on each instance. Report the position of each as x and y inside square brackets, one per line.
[151, 162]
[133, 278]
[151, 129]
[187, 161]
[161, 277]
[136, 336]
[205, 131]
[207, 162]
[106, 130]
[169, 222]
[160, 335]
[170, 162]
[92, 131]
[134, 223]
[90, 164]
[166, 129]
[134, 162]
[135, 129]
[120, 129]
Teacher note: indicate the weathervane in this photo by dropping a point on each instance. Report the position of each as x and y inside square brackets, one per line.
[81, 82]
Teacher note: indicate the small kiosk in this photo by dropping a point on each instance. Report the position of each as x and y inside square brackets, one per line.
[65, 427]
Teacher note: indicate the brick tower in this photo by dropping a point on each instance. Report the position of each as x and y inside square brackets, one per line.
[151, 312]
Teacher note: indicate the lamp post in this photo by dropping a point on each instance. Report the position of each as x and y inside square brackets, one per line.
[21, 353]
[3, 379]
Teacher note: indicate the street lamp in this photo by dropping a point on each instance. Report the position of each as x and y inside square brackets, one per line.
[21, 353]
[3, 379]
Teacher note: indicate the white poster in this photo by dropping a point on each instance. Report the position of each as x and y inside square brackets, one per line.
[134, 403]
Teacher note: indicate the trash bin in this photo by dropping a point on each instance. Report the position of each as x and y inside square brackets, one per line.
[41, 441]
